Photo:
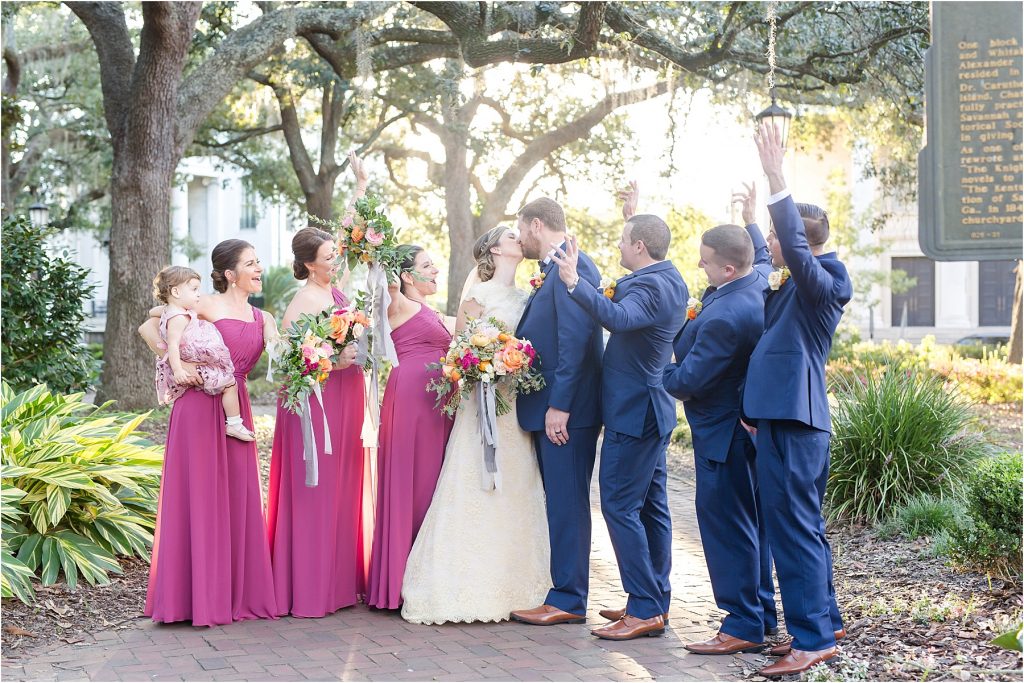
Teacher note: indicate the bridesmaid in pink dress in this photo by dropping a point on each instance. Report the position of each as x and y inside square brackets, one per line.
[211, 562]
[316, 537]
[413, 433]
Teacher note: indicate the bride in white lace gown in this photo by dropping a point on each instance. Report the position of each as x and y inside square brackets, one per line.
[482, 553]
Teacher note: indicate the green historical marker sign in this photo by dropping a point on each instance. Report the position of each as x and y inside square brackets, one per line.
[970, 204]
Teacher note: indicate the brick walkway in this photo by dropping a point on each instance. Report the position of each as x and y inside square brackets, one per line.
[357, 644]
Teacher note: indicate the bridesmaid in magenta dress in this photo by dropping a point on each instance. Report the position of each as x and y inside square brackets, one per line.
[413, 433]
[211, 562]
[316, 537]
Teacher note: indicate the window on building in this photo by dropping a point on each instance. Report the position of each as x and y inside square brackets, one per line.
[919, 300]
[995, 292]
[250, 215]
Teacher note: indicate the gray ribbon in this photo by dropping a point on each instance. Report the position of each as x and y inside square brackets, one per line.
[487, 413]
[309, 455]
[376, 344]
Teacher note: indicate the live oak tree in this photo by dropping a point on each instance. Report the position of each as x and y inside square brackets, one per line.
[155, 96]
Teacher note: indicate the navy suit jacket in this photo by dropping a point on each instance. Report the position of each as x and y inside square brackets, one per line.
[569, 348]
[644, 316]
[786, 377]
[712, 353]
[762, 257]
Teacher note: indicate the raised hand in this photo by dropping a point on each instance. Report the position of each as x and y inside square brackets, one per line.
[358, 170]
[748, 202]
[769, 147]
[567, 261]
[630, 199]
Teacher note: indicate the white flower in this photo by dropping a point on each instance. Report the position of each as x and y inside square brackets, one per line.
[606, 282]
[775, 280]
[358, 329]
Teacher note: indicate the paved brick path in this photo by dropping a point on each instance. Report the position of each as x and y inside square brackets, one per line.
[357, 644]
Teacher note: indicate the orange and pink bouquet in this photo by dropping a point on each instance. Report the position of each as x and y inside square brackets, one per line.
[485, 352]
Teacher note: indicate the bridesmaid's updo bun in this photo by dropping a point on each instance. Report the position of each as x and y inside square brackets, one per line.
[482, 252]
[305, 244]
[226, 256]
[408, 262]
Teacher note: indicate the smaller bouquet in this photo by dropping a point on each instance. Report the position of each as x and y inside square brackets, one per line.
[366, 236]
[485, 352]
[311, 347]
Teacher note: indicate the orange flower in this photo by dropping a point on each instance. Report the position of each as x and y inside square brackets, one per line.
[456, 375]
[484, 366]
[325, 364]
[357, 234]
[365, 257]
[339, 327]
[691, 314]
[503, 337]
[514, 359]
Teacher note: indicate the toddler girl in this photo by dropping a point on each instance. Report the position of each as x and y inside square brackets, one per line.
[192, 340]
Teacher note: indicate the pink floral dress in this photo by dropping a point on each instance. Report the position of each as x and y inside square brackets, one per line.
[201, 344]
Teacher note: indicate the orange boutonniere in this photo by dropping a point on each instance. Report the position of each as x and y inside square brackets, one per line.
[608, 287]
[537, 280]
[693, 306]
[777, 278]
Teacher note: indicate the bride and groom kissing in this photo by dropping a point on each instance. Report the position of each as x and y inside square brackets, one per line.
[482, 553]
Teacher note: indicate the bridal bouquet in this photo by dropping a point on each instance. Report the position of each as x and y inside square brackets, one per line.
[485, 353]
[309, 350]
[366, 235]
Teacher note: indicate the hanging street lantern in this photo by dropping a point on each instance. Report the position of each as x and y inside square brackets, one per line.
[39, 214]
[776, 116]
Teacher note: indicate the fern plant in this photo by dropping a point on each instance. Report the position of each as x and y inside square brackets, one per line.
[80, 487]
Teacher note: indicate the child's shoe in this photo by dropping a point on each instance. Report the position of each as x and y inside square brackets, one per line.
[239, 432]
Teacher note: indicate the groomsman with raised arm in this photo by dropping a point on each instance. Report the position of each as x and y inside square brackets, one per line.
[785, 401]
[712, 352]
[644, 312]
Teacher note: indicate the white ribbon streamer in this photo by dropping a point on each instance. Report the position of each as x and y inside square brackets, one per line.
[376, 345]
[309, 454]
[487, 412]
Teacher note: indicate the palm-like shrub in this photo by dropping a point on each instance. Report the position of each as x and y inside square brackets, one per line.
[80, 487]
[897, 433]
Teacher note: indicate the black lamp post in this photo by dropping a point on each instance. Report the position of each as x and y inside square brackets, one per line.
[777, 116]
[39, 214]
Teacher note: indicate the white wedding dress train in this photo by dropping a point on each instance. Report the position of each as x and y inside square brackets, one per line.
[481, 554]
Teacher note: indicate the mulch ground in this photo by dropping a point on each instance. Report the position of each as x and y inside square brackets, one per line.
[909, 615]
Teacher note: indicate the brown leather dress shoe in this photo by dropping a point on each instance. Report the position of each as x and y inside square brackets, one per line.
[797, 661]
[724, 644]
[616, 614]
[628, 628]
[782, 649]
[546, 615]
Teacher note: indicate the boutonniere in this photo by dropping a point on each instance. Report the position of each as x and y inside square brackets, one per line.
[693, 306]
[537, 280]
[608, 286]
[777, 278]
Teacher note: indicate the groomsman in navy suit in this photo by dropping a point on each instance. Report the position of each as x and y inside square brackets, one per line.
[564, 418]
[786, 402]
[712, 352]
[644, 313]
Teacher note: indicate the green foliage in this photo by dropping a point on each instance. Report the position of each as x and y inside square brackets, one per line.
[925, 515]
[1012, 639]
[42, 312]
[80, 488]
[897, 433]
[990, 540]
[989, 379]
[279, 286]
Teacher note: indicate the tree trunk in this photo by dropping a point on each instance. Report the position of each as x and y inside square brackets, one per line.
[458, 205]
[1018, 318]
[319, 202]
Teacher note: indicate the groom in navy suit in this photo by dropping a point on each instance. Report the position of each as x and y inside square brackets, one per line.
[712, 352]
[643, 314]
[564, 418]
[785, 394]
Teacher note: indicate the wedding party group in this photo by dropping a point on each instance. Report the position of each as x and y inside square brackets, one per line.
[488, 429]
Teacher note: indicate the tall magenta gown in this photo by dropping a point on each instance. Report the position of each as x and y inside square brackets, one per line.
[316, 537]
[210, 562]
[252, 579]
[413, 436]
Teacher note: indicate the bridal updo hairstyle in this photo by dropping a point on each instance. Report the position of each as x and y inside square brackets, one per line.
[305, 244]
[482, 252]
[226, 256]
[408, 262]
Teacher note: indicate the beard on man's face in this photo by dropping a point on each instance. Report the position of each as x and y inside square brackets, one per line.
[531, 249]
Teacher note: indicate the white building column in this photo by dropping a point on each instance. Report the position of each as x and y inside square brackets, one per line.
[954, 297]
[179, 222]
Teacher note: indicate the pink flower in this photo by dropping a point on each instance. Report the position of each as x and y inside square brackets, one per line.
[375, 238]
[346, 221]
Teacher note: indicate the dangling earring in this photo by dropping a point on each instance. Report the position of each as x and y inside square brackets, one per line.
[234, 284]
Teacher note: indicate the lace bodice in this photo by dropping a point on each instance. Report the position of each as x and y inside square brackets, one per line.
[500, 301]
